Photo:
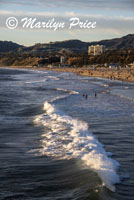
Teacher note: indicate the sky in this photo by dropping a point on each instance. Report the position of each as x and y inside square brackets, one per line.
[113, 18]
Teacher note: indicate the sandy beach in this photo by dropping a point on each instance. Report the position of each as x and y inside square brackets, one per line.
[124, 74]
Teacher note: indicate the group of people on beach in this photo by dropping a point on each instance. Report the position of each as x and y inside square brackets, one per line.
[86, 96]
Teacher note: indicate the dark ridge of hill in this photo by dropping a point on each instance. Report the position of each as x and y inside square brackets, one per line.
[6, 46]
[126, 42]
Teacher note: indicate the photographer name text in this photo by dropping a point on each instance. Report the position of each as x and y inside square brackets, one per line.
[34, 23]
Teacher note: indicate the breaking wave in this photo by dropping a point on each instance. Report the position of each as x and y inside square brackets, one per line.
[68, 138]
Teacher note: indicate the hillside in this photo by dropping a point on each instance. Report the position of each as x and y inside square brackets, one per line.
[77, 46]
[126, 42]
[6, 46]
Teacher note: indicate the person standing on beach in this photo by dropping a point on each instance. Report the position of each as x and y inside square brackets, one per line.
[85, 95]
[95, 95]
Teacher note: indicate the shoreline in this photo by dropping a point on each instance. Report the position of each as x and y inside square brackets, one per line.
[124, 74]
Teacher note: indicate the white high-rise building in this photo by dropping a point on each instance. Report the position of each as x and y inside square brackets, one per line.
[96, 50]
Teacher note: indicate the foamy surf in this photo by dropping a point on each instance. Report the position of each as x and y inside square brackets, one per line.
[63, 96]
[64, 90]
[70, 138]
[53, 78]
[40, 81]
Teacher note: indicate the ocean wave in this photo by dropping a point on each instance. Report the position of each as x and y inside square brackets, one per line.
[70, 138]
[40, 81]
[125, 94]
[63, 96]
[40, 71]
[53, 78]
[59, 97]
[64, 90]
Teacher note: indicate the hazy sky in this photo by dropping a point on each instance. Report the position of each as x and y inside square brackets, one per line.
[114, 18]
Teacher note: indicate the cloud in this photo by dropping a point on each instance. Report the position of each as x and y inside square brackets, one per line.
[86, 4]
[111, 25]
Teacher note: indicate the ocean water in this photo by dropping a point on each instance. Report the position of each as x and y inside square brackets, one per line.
[55, 144]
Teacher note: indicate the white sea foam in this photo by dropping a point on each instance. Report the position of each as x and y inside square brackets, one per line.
[70, 138]
[106, 85]
[40, 72]
[64, 90]
[53, 78]
[40, 81]
[59, 97]
[63, 96]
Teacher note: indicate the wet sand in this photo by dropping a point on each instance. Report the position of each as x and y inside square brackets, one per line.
[124, 74]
